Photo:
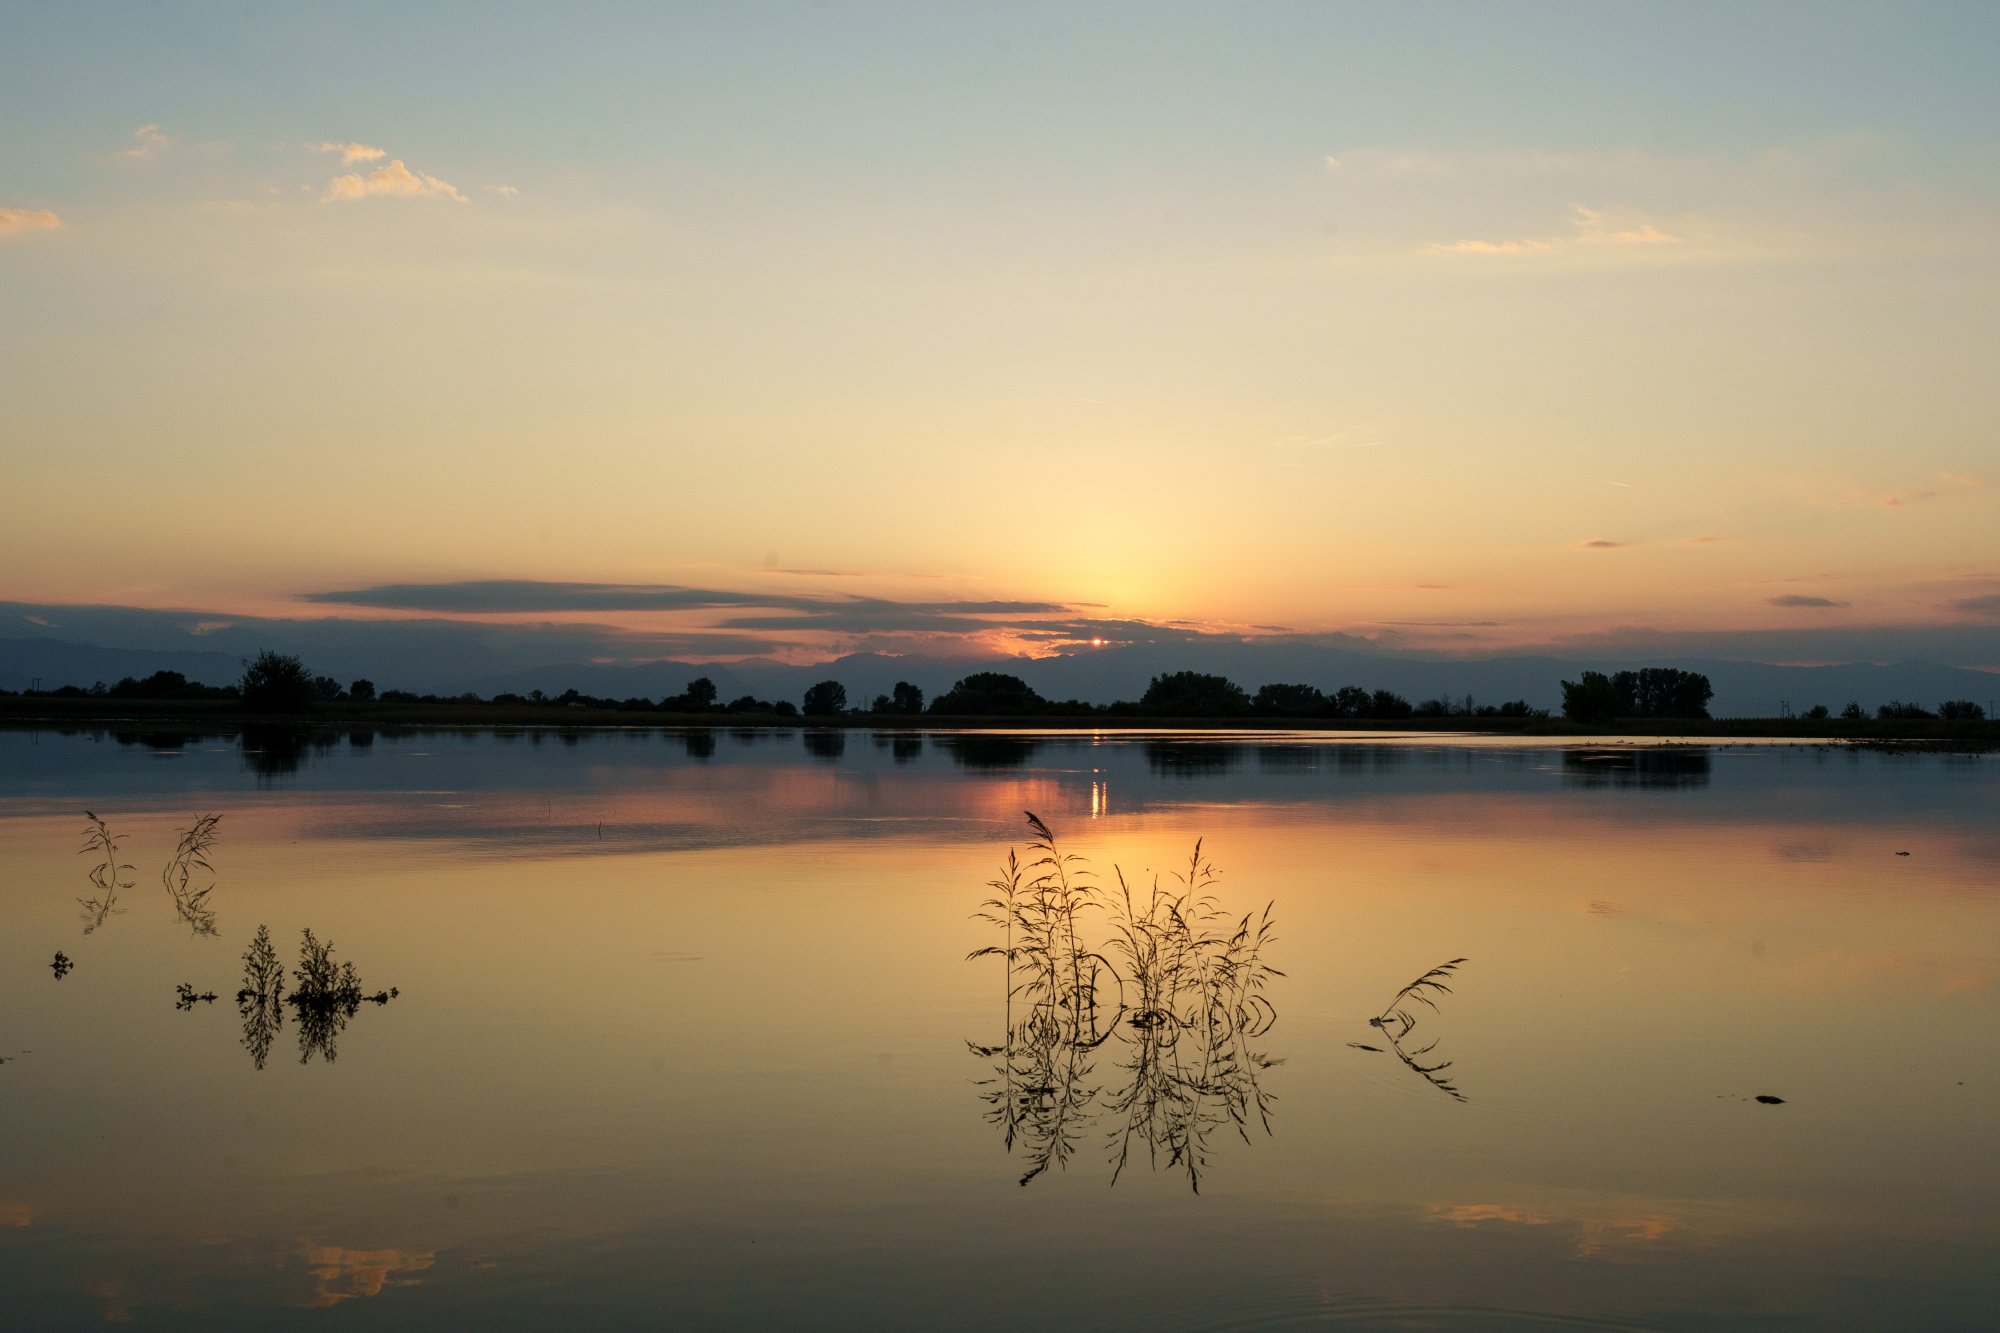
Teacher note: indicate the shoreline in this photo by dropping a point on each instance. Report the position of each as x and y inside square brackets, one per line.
[224, 716]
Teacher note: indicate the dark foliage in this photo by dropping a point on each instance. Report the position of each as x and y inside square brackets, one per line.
[826, 699]
[1194, 694]
[277, 683]
[989, 694]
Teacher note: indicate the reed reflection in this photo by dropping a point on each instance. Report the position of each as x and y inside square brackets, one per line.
[1399, 1020]
[181, 875]
[107, 875]
[1173, 1003]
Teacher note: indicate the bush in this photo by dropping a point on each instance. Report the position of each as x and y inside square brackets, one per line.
[276, 683]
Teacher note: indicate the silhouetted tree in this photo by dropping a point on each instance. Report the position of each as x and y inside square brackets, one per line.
[908, 698]
[989, 694]
[1961, 710]
[1817, 713]
[1591, 698]
[1193, 694]
[700, 693]
[363, 691]
[826, 699]
[1289, 701]
[276, 683]
[1853, 712]
[1389, 704]
[1662, 692]
[1348, 701]
[1898, 711]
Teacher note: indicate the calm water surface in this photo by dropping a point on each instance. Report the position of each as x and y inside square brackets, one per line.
[685, 1033]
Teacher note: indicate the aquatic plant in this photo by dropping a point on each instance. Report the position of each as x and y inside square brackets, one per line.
[1398, 1015]
[190, 855]
[1189, 981]
[325, 995]
[261, 1000]
[1397, 1020]
[108, 875]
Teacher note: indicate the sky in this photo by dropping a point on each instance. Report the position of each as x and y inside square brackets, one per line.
[805, 329]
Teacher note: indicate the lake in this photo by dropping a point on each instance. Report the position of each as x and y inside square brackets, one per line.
[661, 1028]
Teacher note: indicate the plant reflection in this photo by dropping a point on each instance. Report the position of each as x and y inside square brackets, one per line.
[325, 996]
[108, 875]
[1189, 982]
[1399, 1019]
[190, 855]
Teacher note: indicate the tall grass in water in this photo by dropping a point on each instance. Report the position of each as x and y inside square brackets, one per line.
[190, 855]
[1189, 981]
[1400, 1016]
[108, 875]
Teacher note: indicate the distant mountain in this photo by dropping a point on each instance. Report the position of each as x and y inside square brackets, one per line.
[56, 663]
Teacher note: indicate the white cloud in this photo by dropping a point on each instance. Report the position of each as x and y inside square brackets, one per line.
[504, 191]
[27, 219]
[1592, 228]
[350, 153]
[394, 181]
[147, 141]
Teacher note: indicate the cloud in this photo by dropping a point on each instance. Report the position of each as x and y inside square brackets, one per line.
[504, 191]
[1950, 486]
[394, 181]
[14, 220]
[1799, 599]
[350, 153]
[1592, 229]
[147, 141]
[516, 596]
[1989, 605]
[1601, 544]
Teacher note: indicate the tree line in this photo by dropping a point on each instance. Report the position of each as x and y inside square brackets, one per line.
[281, 683]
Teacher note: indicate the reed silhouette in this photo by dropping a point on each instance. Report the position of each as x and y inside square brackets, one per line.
[1174, 999]
[190, 855]
[1399, 1019]
[108, 875]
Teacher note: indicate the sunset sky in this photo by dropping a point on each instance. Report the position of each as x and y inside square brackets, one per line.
[1455, 327]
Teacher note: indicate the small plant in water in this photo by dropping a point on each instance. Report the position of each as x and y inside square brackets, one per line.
[108, 875]
[62, 965]
[190, 855]
[325, 995]
[1400, 1017]
[1189, 983]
